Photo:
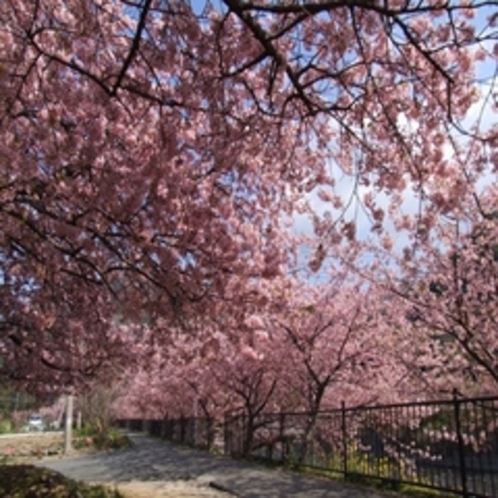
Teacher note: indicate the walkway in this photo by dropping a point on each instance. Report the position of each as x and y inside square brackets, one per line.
[158, 461]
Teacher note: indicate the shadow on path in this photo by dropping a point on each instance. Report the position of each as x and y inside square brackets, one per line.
[152, 459]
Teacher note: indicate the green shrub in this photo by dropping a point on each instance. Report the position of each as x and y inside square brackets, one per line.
[90, 436]
[85, 431]
[6, 426]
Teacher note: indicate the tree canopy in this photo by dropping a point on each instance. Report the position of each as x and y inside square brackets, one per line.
[155, 154]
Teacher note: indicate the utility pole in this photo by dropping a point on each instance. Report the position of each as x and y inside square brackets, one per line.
[68, 427]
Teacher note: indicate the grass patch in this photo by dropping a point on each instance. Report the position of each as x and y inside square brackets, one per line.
[27, 481]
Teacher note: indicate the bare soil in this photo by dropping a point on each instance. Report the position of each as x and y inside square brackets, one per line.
[169, 489]
[30, 447]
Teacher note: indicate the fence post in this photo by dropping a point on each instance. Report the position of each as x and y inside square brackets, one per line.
[344, 440]
[461, 449]
[182, 429]
[283, 442]
[226, 435]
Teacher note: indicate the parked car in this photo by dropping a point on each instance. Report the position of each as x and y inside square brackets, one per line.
[35, 422]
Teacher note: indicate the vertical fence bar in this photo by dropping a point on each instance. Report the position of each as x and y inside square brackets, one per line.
[226, 434]
[461, 448]
[282, 436]
[344, 440]
[476, 465]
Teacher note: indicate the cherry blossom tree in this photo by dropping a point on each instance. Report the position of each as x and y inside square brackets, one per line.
[151, 152]
[49, 344]
[330, 349]
[441, 301]
[202, 378]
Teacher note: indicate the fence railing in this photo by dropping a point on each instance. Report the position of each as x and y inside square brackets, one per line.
[201, 432]
[451, 446]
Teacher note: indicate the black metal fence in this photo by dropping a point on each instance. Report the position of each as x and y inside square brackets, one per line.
[450, 446]
[201, 432]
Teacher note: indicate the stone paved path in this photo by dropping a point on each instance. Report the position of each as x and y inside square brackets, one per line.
[165, 464]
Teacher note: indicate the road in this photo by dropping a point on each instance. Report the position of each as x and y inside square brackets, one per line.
[164, 465]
